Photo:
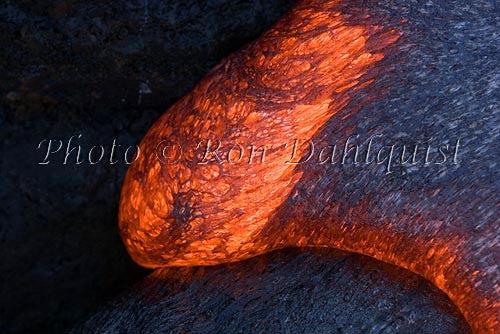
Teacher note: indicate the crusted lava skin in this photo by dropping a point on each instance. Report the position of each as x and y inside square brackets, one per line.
[289, 84]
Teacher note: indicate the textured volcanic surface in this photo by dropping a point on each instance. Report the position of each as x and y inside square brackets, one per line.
[329, 71]
[109, 70]
[288, 291]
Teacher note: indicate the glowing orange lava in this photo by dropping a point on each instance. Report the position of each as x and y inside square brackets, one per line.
[286, 85]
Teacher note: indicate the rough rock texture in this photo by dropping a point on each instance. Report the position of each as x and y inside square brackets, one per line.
[288, 291]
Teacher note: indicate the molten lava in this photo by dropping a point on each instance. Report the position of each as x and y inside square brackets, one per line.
[286, 85]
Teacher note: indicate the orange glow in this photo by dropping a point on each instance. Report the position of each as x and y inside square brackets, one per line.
[286, 85]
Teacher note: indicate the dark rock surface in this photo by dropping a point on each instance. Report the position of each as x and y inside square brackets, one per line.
[288, 291]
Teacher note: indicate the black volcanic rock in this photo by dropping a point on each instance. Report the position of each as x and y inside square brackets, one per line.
[288, 291]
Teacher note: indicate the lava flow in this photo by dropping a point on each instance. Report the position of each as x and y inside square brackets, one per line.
[286, 85]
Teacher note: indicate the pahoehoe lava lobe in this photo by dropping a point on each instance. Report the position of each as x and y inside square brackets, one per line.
[318, 73]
